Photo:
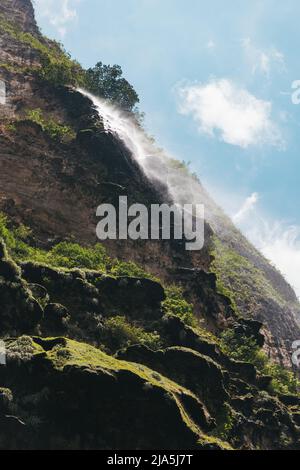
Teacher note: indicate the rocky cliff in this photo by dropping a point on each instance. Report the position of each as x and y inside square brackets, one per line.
[144, 327]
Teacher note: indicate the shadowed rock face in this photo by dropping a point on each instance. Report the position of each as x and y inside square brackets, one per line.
[59, 393]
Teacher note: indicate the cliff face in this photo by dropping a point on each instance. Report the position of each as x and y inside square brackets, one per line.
[96, 168]
[56, 166]
[21, 13]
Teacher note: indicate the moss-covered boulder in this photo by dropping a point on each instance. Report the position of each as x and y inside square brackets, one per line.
[191, 369]
[71, 395]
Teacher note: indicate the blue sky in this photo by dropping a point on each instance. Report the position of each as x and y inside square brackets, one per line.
[214, 78]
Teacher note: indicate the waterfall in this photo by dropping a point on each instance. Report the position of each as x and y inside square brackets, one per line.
[157, 165]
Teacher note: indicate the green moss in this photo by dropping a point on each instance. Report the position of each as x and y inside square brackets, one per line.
[206, 335]
[215, 442]
[81, 354]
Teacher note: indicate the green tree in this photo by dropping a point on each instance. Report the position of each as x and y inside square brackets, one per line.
[107, 82]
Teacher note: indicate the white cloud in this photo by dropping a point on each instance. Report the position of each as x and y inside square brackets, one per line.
[60, 13]
[223, 109]
[278, 241]
[263, 60]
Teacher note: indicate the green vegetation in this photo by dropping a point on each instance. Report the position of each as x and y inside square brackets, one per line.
[245, 349]
[283, 381]
[242, 348]
[66, 353]
[107, 82]
[70, 352]
[54, 129]
[11, 127]
[65, 255]
[119, 333]
[128, 269]
[56, 65]
[237, 277]
[175, 304]
[71, 255]
[183, 167]
[225, 422]
[14, 68]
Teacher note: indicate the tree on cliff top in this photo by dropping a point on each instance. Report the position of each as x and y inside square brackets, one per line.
[107, 82]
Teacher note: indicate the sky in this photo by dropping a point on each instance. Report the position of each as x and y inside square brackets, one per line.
[215, 81]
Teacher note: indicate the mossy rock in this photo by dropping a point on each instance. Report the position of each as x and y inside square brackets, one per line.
[189, 368]
[97, 401]
[56, 319]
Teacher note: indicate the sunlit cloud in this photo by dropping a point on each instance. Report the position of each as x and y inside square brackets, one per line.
[224, 110]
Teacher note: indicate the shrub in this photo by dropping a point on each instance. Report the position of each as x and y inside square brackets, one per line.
[128, 269]
[118, 333]
[51, 127]
[65, 254]
[283, 381]
[243, 348]
[72, 255]
[60, 70]
[175, 304]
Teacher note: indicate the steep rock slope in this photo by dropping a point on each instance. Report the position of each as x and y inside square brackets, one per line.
[95, 167]
[58, 393]
[56, 166]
